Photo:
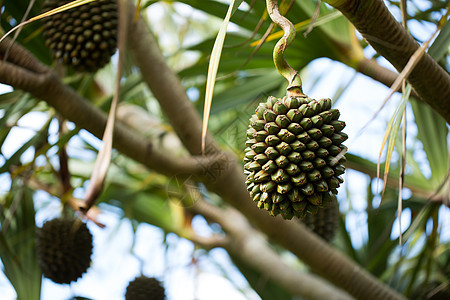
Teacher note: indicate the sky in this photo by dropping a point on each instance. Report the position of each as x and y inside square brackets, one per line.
[116, 261]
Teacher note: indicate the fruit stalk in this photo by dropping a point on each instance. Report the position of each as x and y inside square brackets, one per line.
[294, 88]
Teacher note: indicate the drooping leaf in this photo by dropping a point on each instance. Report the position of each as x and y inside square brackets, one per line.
[241, 94]
[212, 72]
[432, 128]
[432, 132]
[391, 134]
[440, 45]
[17, 250]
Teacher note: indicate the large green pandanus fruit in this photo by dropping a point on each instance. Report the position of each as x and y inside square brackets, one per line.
[293, 160]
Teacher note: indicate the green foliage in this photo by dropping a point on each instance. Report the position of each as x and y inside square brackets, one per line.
[17, 240]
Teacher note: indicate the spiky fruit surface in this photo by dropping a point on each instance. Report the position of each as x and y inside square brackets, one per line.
[291, 160]
[84, 37]
[64, 248]
[145, 288]
[325, 222]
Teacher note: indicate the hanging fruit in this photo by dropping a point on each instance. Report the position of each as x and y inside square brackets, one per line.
[143, 287]
[64, 249]
[82, 38]
[294, 154]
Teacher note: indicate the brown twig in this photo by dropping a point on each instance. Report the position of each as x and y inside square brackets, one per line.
[63, 172]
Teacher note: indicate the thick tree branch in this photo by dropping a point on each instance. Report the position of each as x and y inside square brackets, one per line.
[373, 70]
[373, 20]
[228, 181]
[24, 72]
[165, 87]
[249, 245]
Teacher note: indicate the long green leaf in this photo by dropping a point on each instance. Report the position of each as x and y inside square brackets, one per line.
[346, 242]
[212, 71]
[432, 132]
[18, 236]
[391, 134]
[441, 43]
[219, 9]
[246, 92]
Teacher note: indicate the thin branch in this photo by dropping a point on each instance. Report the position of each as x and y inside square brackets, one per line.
[63, 171]
[206, 242]
[166, 87]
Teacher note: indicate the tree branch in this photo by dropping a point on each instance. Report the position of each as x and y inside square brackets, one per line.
[373, 70]
[24, 72]
[376, 24]
[166, 86]
[249, 245]
[208, 243]
[228, 180]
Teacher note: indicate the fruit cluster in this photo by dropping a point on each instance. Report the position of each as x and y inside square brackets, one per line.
[84, 37]
[293, 159]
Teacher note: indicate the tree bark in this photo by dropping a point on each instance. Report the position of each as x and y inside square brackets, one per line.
[377, 25]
